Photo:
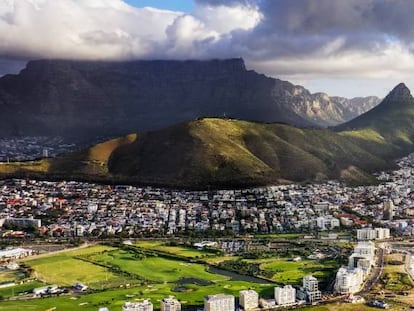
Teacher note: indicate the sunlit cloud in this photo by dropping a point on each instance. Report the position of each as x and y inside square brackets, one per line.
[296, 40]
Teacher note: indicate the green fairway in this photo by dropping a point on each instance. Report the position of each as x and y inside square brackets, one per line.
[114, 299]
[290, 272]
[157, 269]
[189, 282]
[287, 271]
[175, 250]
[89, 250]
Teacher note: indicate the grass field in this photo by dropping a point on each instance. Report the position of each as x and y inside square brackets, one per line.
[114, 299]
[157, 269]
[20, 288]
[395, 277]
[64, 269]
[397, 281]
[175, 250]
[168, 274]
[286, 271]
[218, 259]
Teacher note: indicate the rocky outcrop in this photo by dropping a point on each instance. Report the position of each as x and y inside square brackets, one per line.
[324, 110]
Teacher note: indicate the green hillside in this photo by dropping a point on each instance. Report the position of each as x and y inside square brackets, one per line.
[225, 152]
[387, 129]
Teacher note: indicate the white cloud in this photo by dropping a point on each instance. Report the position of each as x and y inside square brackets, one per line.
[92, 29]
[224, 19]
[296, 40]
[111, 29]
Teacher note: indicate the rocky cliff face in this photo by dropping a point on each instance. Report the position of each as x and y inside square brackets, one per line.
[110, 98]
[323, 110]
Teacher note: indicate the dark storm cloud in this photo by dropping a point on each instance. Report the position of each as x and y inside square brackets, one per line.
[303, 27]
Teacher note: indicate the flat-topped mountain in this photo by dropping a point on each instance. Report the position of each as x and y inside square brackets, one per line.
[89, 98]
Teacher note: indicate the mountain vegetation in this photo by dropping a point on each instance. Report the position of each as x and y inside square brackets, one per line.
[227, 152]
[224, 152]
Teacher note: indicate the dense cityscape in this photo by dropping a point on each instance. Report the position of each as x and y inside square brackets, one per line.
[68, 208]
[223, 220]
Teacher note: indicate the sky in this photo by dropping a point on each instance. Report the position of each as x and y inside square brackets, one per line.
[345, 48]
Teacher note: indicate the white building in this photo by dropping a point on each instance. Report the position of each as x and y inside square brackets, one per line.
[143, 305]
[365, 249]
[249, 299]
[15, 253]
[383, 233]
[348, 281]
[311, 288]
[22, 222]
[46, 290]
[368, 234]
[219, 302]
[170, 304]
[327, 222]
[285, 296]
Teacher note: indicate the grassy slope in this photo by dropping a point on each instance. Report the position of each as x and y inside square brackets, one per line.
[90, 162]
[219, 152]
[222, 152]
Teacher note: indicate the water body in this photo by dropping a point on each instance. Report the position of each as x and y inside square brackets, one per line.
[195, 281]
[238, 277]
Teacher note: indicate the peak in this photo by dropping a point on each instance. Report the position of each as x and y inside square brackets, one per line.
[400, 92]
[401, 87]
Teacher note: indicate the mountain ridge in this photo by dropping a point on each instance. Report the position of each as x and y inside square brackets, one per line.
[221, 152]
[66, 97]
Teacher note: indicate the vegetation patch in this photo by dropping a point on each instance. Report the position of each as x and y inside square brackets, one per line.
[155, 268]
[65, 269]
[174, 249]
[283, 270]
[396, 281]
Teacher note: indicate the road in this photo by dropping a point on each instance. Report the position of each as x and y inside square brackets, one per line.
[47, 254]
[376, 272]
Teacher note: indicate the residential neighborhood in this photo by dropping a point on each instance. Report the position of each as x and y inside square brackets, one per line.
[77, 209]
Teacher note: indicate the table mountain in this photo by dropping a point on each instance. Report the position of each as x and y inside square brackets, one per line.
[90, 98]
